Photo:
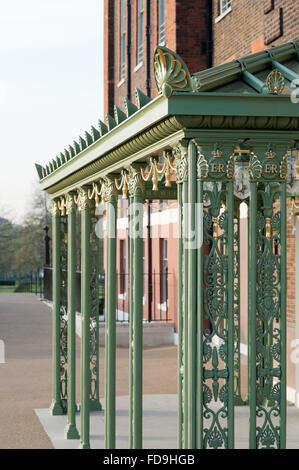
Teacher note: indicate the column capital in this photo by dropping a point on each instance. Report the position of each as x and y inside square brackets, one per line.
[83, 200]
[135, 180]
[70, 203]
[55, 209]
[109, 188]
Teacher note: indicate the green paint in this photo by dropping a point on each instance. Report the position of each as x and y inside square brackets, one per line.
[192, 297]
[85, 311]
[110, 359]
[71, 431]
[137, 326]
[180, 321]
[95, 404]
[56, 406]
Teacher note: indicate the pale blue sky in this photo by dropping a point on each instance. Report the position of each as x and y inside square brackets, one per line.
[51, 82]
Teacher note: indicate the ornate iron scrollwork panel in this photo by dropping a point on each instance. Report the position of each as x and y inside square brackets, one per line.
[215, 316]
[63, 313]
[94, 317]
[268, 319]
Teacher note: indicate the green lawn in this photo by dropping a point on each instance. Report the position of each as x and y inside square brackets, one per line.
[7, 288]
[19, 287]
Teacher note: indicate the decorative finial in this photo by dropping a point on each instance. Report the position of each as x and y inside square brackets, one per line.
[275, 82]
[171, 72]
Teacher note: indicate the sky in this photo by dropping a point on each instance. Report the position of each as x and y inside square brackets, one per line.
[51, 87]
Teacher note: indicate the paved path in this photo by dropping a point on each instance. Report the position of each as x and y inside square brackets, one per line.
[25, 378]
[159, 425]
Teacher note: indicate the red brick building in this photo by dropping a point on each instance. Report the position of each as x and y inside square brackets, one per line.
[204, 33]
[133, 28]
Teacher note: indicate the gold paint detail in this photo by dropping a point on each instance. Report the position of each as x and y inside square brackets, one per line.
[293, 206]
[168, 168]
[55, 210]
[230, 168]
[271, 169]
[123, 184]
[255, 167]
[275, 82]
[283, 171]
[70, 203]
[217, 152]
[94, 193]
[83, 200]
[181, 169]
[217, 168]
[170, 72]
[109, 189]
[152, 173]
[202, 166]
[62, 206]
[135, 181]
[215, 227]
[270, 153]
[268, 228]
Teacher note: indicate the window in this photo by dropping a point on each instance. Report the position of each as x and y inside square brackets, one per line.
[122, 40]
[139, 31]
[161, 22]
[123, 265]
[224, 6]
[163, 271]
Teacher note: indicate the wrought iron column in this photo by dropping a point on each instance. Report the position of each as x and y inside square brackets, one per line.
[71, 431]
[131, 316]
[215, 338]
[191, 241]
[238, 401]
[110, 197]
[230, 314]
[84, 207]
[136, 210]
[95, 404]
[283, 313]
[180, 320]
[56, 406]
[181, 180]
[267, 284]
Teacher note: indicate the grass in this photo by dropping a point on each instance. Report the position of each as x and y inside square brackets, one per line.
[7, 289]
[23, 287]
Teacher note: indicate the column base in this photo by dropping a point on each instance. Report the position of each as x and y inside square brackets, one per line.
[71, 432]
[56, 409]
[95, 405]
[84, 446]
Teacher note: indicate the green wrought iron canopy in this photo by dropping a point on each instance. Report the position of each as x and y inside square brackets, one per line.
[227, 135]
[252, 93]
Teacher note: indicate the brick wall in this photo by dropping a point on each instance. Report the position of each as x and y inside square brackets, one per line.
[253, 26]
[186, 32]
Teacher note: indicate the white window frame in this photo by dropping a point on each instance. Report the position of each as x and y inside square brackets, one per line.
[140, 19]
[122, 49]
[161, 26]
[225, 7]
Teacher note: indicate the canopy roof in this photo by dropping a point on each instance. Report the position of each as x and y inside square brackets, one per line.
[250, 93]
